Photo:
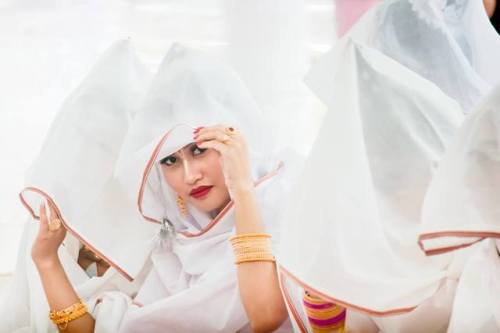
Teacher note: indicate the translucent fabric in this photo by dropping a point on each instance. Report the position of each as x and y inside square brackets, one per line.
[193, 266]
[360, 194]
[462, 205]
[74, 172]
[75, 167]
[451, 44]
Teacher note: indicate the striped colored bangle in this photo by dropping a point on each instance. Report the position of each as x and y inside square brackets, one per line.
[323, 316]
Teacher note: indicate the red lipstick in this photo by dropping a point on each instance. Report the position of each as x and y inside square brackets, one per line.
[200, 191]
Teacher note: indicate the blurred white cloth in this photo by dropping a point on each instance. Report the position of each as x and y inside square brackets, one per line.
[461, 206]
[360, 194]
[74, 172]
[375, 185]
[461, 211]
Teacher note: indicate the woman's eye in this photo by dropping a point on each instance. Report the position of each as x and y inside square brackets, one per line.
[197, 150]
[169, 160]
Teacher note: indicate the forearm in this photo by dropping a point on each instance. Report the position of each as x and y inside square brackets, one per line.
[61, 294]
[258, 281]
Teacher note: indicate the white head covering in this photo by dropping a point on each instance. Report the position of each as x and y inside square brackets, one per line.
[196, 273]
[450, 43]
[189, 90]
[74, 170]
[462, 205]
[364, 182]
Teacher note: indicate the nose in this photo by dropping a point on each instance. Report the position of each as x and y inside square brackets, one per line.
[191, 173]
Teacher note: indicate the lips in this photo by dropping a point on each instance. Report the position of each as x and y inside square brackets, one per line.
[200, 191]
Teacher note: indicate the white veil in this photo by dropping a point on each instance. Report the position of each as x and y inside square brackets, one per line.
[362, 188]
[450, 43]
[74, 172]
[196, 273]
[75, 167]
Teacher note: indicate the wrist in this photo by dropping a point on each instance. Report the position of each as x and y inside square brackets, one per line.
[243, 190]
[47, 262]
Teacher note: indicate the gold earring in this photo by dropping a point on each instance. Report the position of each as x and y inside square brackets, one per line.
[182, 205]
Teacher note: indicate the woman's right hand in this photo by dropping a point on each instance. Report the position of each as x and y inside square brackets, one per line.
[47, 242]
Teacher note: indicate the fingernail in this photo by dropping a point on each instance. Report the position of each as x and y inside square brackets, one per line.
[198, 142]
[197, 129]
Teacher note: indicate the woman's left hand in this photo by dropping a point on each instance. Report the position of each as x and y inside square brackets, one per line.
[233, 149]
[50, 236]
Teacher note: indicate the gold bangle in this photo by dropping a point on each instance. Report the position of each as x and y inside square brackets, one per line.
[252, 247]
[61, 318]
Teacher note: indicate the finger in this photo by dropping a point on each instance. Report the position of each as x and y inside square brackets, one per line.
[220, 128]
[44, 224]
[218, 146]
[213, 134]
[52, 212]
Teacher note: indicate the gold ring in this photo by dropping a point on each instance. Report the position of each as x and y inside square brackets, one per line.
[54, 224]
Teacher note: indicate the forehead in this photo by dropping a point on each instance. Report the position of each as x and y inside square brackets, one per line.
[184, 149]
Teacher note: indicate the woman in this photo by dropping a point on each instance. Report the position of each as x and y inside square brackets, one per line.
[216, 196]
[378, 181]
[84, 285]
[361, 192]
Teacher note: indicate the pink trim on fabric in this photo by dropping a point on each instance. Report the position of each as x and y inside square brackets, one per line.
[342, 303]
[72, 231]
[453, 233]
[291, 306]
[147, 170]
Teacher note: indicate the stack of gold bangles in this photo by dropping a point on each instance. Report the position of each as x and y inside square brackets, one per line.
[252, 247]
[61, 318]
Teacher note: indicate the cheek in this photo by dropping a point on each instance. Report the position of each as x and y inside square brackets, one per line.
[214, 168]
[173, 177]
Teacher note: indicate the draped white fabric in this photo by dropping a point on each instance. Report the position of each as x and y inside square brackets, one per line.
[461, 206]
[193, 269]
[74, 173]
[48, 47]
[361, 245]
[374, 188]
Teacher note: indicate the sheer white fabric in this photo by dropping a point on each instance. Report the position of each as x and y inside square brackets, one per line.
[193, 267]
[74, 171]
[461, 207]
[361, 245]
[443, 43]
[461, 211]
[374, 187]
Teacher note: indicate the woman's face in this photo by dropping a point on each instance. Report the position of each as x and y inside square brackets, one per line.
[195, 174]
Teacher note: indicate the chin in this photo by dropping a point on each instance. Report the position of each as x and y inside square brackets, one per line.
[211, 206]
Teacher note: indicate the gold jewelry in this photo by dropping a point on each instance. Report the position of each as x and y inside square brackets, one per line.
[182, 205]
[62, 317]
[252, 247]
[54, 224]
